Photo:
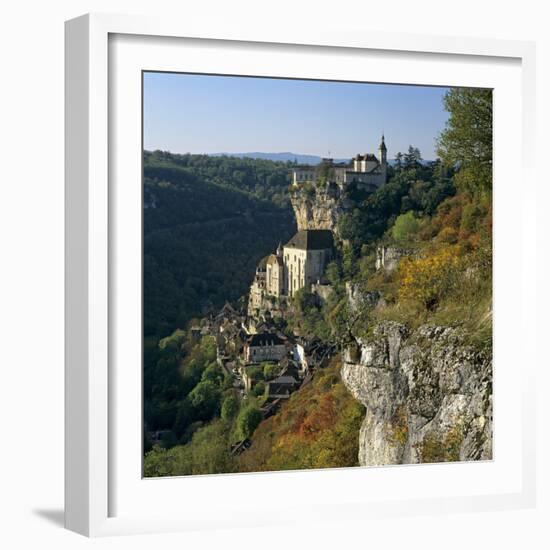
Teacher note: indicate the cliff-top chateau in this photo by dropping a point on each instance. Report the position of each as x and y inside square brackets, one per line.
[365, 169]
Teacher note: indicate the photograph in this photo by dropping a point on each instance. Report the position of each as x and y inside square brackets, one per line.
[317, 274]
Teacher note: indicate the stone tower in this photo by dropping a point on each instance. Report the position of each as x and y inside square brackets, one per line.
[383, 159]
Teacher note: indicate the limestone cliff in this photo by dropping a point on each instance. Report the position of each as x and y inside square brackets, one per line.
[427, 393]
[320, 207]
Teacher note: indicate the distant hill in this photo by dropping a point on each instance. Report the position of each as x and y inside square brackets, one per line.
[281, 157]
[291, 157]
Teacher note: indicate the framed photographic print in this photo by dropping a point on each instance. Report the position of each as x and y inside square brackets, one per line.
[294, 289]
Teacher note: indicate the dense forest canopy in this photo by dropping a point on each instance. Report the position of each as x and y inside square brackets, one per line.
[207, 222]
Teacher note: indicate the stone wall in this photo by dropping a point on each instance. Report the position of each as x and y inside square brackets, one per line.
[388, 257]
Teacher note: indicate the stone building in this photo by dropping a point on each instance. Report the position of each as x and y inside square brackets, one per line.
[366, 169]
[299, 263]
[305, 257]
[274, 274]
[264, 347]
[258, 286]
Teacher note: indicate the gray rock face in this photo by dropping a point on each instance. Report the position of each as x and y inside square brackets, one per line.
[359, 299]
[428, 396]
[320, 208]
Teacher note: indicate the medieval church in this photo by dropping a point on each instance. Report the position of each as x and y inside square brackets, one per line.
[298, 264]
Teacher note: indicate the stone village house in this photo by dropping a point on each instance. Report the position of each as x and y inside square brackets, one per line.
[264, 347]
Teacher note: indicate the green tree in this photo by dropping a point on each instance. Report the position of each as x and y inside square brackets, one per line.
[248, 420]
[230, 406]
[405, 228]
[259, 388]
[271, 370]
[213, 373]
[467, 140]
[412, 158]
[205, 399]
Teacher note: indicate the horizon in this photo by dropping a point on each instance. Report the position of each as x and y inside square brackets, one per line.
[237, 115]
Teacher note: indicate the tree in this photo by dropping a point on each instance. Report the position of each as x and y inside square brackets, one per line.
[398, 161]
[230, 406]
[405, 228]
[205, 399]
[271, 370]
[259, 388]
[412, 158]
[213, 373]
[248, 420]
[467, 140]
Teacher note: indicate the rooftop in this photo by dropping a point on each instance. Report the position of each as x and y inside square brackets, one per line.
[284, 380]
[311, 239]
[265, 339]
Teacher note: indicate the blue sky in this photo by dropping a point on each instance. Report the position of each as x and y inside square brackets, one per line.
[211, 114]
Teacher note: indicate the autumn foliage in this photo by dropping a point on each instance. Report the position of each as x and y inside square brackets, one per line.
[316, 428]
[427, 279]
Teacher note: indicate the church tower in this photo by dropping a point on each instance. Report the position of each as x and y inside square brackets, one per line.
[383, 159]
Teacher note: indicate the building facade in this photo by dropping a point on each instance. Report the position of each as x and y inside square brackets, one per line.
[258, 286]
[274, 274]
[299, 263]
[264, 347]
[305, 258]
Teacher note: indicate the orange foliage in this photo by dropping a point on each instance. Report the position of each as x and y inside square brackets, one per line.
[316, 428]
[321, 418]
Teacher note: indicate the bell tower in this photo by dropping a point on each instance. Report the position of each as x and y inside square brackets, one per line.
[383, 159]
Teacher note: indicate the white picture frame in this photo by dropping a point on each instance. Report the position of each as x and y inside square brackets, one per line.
[104, 493]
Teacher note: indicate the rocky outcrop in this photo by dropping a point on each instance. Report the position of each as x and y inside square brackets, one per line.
[427, 393]
[320, 207]
[360, 300]
[388, 257]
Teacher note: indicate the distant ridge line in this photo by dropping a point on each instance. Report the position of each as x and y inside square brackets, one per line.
[281, 157]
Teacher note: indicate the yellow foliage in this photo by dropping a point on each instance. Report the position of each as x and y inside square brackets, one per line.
[428, 278]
